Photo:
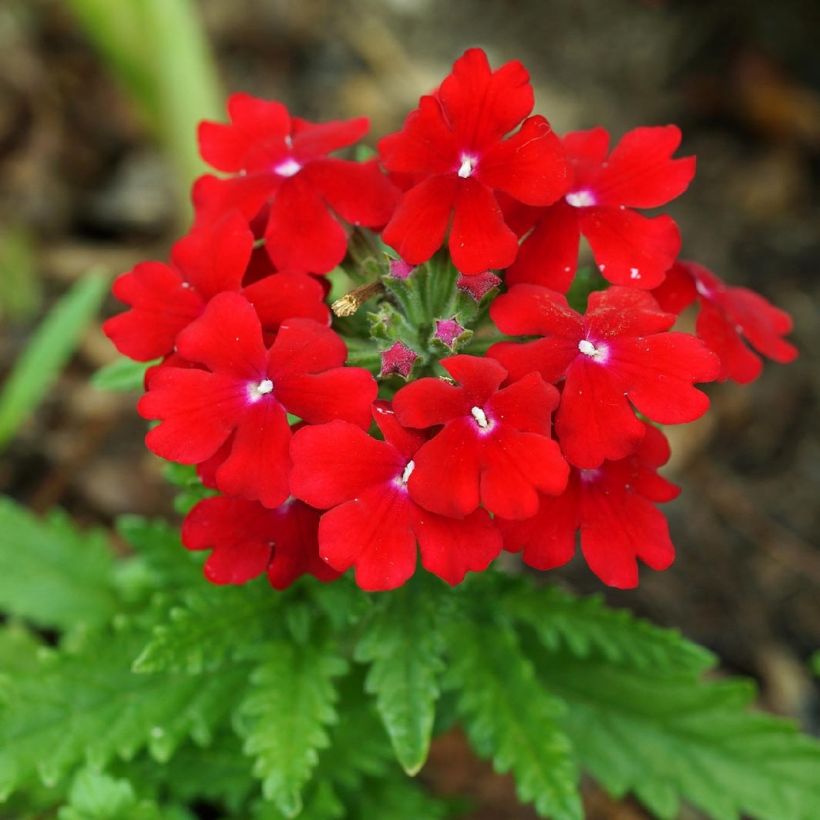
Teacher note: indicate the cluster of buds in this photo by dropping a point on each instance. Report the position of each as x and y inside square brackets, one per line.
[471, 389]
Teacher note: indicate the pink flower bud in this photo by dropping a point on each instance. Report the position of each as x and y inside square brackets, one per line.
[398, 358]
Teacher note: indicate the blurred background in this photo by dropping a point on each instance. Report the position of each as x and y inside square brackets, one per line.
[98, 103]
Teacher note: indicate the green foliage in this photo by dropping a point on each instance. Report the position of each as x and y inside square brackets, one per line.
[589, 629]
[512, 718]
[669, 737]
[284, 717]
[20, 287]
[51, 573]
[122, 375]
[87, 704]
[51, 345]
[542, 682]
[96, 796]
[158, 52]
[405, 646]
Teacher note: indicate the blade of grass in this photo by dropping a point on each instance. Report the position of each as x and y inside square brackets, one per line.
[50, 347]
[159, 53]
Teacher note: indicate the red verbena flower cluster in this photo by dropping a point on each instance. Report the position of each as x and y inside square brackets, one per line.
[495, 397]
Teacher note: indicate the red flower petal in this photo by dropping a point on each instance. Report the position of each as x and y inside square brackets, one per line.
[452, 452]
[479, 238]
[588, 148]
[336, 462]
[516, 465]
[258, 463]
[630, 249]
[313, 140]
[301, 233]
[235, 530]
[737, 361]
[404, 440]
[657, 373]
[427, 402]
[303, 346]
[620, 311]
[616, 530]
[549, 255]
[285, 296]
[161, 306]
[640, 172]
[531, 309]
[214, 259]
[479, 377]
[198, 411]
[452, 547]
[359, 192]
[416, 230]
[594, 420]
[373, 534]
[677, 291]
[484, 105]
[344, 393]
[526, 404]
[548, 538]
[530, 166]
[425, 145]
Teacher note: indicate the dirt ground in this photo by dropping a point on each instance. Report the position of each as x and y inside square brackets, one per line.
[81, 185]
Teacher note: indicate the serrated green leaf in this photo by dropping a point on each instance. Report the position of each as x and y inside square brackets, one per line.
[49, 348]
[211, 625]
[397, 800]
[510, 717]
[159, 546]
[88, 705]
[404, 645]
[122, 375]
[670, 738]
[98, 796]
[285, 715]
[587, 628]
[52, 573]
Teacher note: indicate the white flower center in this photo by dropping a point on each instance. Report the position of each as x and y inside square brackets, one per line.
[634, 273]
[480, 418]
[408, 471]
[580, 199]
[287, 167]
[468, 164]
[599, 354]
[256, 391]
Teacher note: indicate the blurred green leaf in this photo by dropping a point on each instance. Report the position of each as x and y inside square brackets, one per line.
[53, 573]
[159, 52]
[50, 347]
[19, 281]
[121, 375]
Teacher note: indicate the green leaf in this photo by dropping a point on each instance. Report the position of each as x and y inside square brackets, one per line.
[88, 704]
[670, 738]
[396, 799]
[403, 643]
[97, 796]
[49, 348]
[20, 286]
[588, 628]
[158, 51]
[158, 545]
[122, 375]
[284, 718]
[510, 717]
[52, 573]
[212, 625]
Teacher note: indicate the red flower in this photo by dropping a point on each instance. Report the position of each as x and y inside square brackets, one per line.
[248, 539]
[245, 390]
[731, 320]
[629, 249]
[454, 150]
[372, 522]
[281, 162]
[613, 508]
[616, 354]
[495, 446]
[164, 299]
